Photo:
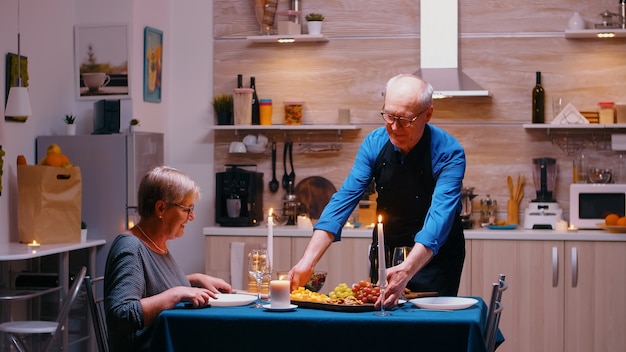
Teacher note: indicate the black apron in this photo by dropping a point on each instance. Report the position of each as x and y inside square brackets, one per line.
[405, 186]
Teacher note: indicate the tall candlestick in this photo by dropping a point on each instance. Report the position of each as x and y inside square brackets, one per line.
[382, 270]
[270, 239]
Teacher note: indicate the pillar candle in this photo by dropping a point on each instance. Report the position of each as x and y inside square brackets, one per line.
[270, 239]
[382, 270]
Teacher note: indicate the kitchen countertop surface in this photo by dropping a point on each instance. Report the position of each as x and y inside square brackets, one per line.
[471, 234]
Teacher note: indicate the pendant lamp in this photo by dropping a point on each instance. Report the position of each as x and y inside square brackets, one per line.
[18, 103]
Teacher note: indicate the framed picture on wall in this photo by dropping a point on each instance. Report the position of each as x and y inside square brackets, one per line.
[152, 63]
[101, 60]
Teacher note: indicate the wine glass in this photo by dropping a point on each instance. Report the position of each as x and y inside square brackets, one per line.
[258, 267]
[399, 255]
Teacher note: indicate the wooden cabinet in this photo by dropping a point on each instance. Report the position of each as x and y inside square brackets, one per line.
[595, 309]
[562, 296]
[345, 261]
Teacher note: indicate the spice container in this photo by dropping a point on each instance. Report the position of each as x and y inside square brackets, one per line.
[293, 113]
[606, 112]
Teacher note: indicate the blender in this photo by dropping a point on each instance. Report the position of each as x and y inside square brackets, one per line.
[543, 212]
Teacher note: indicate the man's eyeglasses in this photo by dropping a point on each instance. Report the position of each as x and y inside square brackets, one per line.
[403, 122]
[188, 209]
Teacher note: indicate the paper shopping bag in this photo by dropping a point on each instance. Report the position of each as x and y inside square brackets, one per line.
[49, 204]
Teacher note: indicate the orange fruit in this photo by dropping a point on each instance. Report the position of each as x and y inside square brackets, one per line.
[621, 221]
[55, 159]
[611, 219]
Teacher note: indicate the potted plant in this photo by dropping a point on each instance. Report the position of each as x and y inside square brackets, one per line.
[314, 22]
[223, 106]
[83, 231]
[70, 127]
[134, 125]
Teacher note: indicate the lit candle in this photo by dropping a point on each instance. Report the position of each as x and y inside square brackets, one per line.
[382, 270]
[270, 238]
[34, 243]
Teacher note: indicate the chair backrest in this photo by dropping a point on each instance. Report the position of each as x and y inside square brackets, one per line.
[96, 310]
[70, 298]
[494, 313]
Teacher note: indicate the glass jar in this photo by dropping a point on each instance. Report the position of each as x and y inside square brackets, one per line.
[606, 112]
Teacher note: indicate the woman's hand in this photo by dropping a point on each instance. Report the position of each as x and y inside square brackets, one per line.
[215, 285]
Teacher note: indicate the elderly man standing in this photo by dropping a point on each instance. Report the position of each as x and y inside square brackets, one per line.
[418, 171]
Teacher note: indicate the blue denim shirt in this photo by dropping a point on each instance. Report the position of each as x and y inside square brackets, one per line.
[448, 165]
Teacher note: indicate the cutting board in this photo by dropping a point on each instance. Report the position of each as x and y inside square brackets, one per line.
[313, 193]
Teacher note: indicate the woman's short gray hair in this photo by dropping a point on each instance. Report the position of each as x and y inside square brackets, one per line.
[164, 183]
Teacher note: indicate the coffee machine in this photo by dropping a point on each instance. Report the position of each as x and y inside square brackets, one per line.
[239, 196]
[543, 212]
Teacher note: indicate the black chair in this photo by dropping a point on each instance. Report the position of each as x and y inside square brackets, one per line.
[18, 330]
[494, 313]
[96, 310]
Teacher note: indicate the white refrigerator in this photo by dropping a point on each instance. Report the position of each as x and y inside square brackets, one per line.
[111, 166]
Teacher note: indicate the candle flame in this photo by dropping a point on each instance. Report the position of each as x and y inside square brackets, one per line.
[380, 218]
[271, 211]
[34, 241]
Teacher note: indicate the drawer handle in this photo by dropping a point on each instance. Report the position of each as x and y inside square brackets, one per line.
[574, 267]
[555, 267]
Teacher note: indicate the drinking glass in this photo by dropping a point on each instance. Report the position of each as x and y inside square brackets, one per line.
[399, 255]
[258, 267]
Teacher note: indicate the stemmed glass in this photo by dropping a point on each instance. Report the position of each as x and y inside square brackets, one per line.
[399, 255]
[258, 267]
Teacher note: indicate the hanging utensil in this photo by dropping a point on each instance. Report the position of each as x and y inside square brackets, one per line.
[274, 182]
[285, 180]
[292, 175]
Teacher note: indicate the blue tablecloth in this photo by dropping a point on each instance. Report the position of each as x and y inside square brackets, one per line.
[249, 329]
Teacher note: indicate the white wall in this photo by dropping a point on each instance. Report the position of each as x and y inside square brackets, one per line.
[190, 146]
[47, 32]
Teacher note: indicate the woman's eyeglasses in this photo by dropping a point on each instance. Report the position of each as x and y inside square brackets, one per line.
[188, 209]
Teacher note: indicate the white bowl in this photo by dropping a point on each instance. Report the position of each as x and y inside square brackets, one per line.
[256, 148]
[237, 147]
[262, 139]
[250, 139]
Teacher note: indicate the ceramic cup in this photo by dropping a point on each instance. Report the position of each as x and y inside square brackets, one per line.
[95, 80]
[233, 207]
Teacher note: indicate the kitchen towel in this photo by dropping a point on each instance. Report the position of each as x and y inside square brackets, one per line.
[237, 261]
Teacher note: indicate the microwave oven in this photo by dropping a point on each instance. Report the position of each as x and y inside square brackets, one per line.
[590, 203]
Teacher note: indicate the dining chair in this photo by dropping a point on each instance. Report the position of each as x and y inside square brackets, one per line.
[494, 312]
[96, 310]
[18, 330]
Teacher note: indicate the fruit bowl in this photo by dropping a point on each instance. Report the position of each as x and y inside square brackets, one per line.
[316, 282]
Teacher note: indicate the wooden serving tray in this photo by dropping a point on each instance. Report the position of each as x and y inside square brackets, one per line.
[365, 307]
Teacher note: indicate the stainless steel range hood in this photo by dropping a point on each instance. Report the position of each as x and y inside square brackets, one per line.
[439, 57]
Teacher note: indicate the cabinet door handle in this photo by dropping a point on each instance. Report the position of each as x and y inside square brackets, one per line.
[555, 267]
[574, 267]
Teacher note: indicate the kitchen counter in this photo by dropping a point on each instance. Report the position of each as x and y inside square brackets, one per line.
[471, 234]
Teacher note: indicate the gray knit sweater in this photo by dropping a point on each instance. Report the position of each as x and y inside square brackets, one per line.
[133, 271]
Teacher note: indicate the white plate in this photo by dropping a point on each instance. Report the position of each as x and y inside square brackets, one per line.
[231, 300]
[444, 302]
[275, 309]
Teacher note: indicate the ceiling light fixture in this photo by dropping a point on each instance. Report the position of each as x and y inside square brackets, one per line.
[18, 103]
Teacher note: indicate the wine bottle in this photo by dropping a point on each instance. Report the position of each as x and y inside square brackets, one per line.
[239, 81]
[538, 101]
[256, 108]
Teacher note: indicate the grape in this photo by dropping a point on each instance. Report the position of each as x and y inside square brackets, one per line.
[365, 291]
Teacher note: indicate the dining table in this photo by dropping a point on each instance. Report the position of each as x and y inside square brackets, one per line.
[243, 328]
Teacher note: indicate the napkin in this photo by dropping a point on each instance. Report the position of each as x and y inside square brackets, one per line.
[570, 116]
[237, 262]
